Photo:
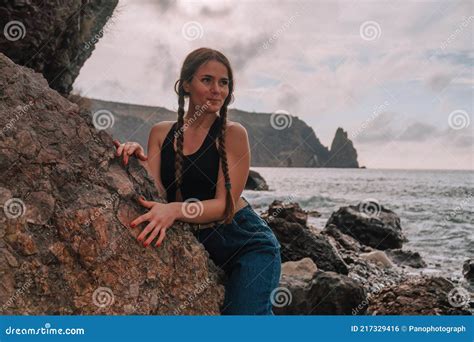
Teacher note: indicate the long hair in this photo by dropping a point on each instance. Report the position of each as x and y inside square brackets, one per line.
[190, 65]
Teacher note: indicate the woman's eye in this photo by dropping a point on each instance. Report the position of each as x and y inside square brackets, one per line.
[205, 79]
[225, 82]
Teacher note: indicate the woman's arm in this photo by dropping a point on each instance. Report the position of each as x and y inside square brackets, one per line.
[238, 159]
[153, 164]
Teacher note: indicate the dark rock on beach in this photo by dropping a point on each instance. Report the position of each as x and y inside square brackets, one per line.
[290, 212]
[406, 258]
[371, 224]
[255, 181]
[304, 290]
[420, 296]
[298, 241]
[65, 242]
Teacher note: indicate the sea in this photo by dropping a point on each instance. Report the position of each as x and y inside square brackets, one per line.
[435, 206]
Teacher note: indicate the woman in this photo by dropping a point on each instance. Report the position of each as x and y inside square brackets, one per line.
[202, 162]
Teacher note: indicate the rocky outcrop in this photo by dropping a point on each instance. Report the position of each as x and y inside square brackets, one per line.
[65, 242]
[255, 181]
[304, 290]
[370, 223]
[342, 152]
[420, 296]
[53, 38]
[406, 258]
[275, 141]
[298, 241]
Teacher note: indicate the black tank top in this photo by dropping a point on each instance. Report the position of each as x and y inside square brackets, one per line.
[200, 169]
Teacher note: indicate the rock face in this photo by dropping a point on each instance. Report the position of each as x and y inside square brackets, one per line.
[419, 296]
[255, 181]
[370, 223]
[298, 241]
[342, 153]
[306, 291]
[291, 144]
[65, 242]
[53, 38]
[406, 258]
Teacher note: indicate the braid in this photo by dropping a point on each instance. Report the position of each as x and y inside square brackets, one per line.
[229, 201]
[179, 134]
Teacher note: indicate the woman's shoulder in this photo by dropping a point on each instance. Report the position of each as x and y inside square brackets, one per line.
[235, 128]
[159, 130]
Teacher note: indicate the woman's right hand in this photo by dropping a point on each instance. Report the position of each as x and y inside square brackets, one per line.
[128, 149]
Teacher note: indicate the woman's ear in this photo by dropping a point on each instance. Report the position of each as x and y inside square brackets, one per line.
[186, 86]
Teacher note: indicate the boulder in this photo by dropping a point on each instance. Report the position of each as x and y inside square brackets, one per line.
[298, 242]
[304, 290]
[371, 224]
[468, 269]
[420, 296]
[255, 181]
[66, 246]
[54, 38]
[406, 258]
[377, 257]
[290, 212]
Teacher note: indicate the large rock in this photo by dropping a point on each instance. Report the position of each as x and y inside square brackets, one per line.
[290, 212]
[420, 296]
[370, 223]
[298, 242]
[53, 38]
[406, 258]
[255, 181]
[65, 242]
[342, 153]
[305, 291]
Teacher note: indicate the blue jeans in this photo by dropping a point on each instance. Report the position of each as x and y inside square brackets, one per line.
[249, 253]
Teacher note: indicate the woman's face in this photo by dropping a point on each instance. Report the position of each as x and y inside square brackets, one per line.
[210, 85]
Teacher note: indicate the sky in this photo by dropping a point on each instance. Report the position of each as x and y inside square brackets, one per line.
[396, 75]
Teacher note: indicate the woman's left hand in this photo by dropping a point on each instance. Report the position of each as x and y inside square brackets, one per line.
[160, 218]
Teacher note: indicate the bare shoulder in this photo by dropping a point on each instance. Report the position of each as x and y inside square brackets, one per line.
[159, 131]
[235, 129]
